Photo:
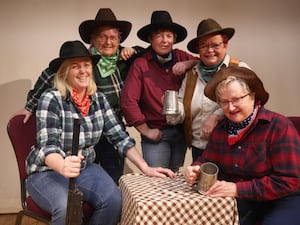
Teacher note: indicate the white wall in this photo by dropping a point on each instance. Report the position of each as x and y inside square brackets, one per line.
[267, 38]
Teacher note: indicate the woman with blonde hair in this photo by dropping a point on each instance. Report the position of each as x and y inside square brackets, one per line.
[50, 163]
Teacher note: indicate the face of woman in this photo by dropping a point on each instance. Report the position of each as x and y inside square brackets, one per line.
[237, 103]
[106, 40]
[212, 49]
[80, 74]
[162, 41]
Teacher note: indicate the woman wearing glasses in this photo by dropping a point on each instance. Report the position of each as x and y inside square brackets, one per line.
[200, 115]
[257, 151]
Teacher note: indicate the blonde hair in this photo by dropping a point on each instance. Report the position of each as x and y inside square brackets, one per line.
[61, 82]
[224, 83]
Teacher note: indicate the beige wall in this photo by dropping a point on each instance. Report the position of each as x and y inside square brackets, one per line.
[267, 38]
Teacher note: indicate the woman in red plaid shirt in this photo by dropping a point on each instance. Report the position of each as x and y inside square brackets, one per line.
[256, 150]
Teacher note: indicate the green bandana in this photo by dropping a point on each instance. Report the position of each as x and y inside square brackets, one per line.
[106, 65]
[208, 72]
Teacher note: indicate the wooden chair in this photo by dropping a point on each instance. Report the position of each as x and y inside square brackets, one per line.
[22, 137]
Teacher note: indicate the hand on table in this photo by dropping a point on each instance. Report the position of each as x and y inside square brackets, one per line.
[222, 189]
[159, 172]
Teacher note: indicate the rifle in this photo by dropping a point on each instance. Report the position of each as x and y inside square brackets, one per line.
[75, 197]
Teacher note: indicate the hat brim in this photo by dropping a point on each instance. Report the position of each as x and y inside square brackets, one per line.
[242, 73]
[87, 27]
[179, 30]
[55, 63]
[192, 46]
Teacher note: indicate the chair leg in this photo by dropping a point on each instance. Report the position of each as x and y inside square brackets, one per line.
[19, 218]
[23, 213]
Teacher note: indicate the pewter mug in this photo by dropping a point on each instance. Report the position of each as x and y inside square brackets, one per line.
[170, 103]
[208, 176]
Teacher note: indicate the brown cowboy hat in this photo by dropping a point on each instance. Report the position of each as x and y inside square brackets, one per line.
[207, 27]
[105, 16]
[162, 19]
[243, 73]
[71, 49]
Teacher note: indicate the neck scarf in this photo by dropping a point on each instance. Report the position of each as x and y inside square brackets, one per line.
[237, 130]
[208, 72]
[107, 64]
[166, 61]
[83, 105]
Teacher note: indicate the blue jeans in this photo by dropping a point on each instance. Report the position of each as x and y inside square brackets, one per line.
[275, 212]
[169, 152]
[50, 191]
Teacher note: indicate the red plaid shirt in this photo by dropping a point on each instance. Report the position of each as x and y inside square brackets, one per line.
[265, 163]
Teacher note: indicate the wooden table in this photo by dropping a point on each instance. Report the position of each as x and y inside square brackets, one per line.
[166, 201]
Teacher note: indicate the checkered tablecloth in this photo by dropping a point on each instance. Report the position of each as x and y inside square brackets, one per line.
[166, 201]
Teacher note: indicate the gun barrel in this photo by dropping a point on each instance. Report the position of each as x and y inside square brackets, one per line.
[75, 197]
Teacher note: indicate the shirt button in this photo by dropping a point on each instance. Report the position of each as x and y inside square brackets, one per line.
[239, 147]
[236, 165]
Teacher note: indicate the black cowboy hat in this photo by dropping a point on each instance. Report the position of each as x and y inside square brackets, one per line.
[207, 27]
[71, 49]
[162, 19]
[243, 73]
[104, 17]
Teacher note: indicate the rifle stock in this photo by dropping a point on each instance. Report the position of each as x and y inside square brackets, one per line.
[75, 197]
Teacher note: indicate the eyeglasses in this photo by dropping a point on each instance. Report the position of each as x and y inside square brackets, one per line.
[104, 38]
[215, 46]
[235, 101]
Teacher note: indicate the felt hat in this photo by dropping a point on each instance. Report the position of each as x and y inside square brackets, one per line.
[207, 27]
[160, 20]
[104, 17]
[243, 73]
[71, 49]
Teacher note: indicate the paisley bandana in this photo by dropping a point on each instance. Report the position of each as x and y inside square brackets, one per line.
[237, 130]
[107, 64]
[83, 106]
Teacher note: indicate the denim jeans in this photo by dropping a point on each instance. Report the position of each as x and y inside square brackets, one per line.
[109, 159]
[50, 191]
[275, 212]
[169, 152]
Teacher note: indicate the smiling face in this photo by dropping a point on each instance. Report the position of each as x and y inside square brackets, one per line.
[236, 100]
[79, 75]
[212, 49]
[162, 41]
[106, 40]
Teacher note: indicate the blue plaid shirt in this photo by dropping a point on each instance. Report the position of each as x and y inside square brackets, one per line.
[55, 117]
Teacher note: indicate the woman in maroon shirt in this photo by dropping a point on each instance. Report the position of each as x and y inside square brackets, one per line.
[148, 78]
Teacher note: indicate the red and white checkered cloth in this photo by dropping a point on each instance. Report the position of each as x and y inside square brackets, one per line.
[165, 201]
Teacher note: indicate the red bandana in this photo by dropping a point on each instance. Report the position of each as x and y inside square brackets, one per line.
[83, 106]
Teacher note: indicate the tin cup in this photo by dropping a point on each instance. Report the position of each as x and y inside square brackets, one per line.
[208, 176]
[170, 106]
[170, 103]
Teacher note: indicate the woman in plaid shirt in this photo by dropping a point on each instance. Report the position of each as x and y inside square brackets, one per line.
[50, 163]
[256, 150]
